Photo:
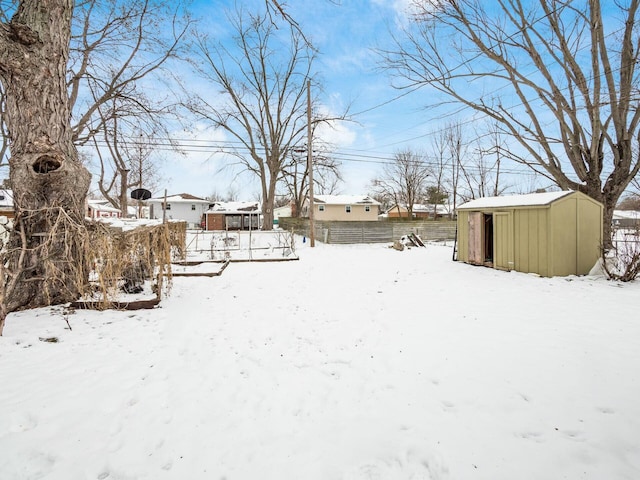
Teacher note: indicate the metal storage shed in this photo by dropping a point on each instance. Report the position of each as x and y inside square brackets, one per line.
[551, 234]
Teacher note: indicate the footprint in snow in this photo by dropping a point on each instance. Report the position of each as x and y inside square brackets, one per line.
[532, 436]
[404, 466]
[23, 422]
[606, 410]
[448, 406]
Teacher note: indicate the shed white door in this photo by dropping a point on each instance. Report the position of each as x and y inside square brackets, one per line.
[476, 255]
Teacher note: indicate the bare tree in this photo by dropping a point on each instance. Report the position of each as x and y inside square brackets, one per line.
[496, 148]
[404, 179]
[456, 145]
[481, 175]
[264, 83]
[443, 169]
[131, 162]
[326, 175]
[464, 172]
[118, 52]
[49, 182]
[564, 82]
[265, 94]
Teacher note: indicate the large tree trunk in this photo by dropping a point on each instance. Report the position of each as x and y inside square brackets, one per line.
[45, 264]
[267, 205]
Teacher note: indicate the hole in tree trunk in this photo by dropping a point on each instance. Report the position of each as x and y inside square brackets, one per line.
[46, 164]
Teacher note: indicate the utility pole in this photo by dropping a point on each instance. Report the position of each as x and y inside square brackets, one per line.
[140, 178]
[312, 227]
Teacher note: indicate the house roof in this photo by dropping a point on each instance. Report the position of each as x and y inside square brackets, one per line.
[235, 207]
[527, 200]
[345, 199]
[181, 197]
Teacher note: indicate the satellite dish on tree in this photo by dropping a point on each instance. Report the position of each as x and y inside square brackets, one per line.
[140, 194]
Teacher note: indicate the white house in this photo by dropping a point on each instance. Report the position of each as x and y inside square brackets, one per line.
[102, 209]
[284, 211]
[419, 211]
[626, 219]
[6, 203]
[182, 206]
[6, 215]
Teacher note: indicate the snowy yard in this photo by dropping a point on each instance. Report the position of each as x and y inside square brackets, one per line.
[352, 363]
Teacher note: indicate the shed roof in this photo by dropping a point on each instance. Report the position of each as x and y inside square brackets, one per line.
[527, 200]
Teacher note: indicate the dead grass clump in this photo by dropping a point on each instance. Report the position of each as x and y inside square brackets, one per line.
[127, 258]
[622, 262]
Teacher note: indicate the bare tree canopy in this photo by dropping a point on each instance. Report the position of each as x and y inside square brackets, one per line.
[295, 174]
[263, 80]
[120, 83]
[556, 75]
[404, 180]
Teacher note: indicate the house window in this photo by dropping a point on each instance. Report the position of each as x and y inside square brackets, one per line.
[193, 207]
[367, 208]
[321, 208]
[347, 208]
[168, 206]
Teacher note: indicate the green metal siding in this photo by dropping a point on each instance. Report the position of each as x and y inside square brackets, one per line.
[503, 240]
[589, 233]
[531, 227]
[463, 236]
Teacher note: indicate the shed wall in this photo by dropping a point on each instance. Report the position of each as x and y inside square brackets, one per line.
[564, 237]
[589, 234]
[503, 241]
[462, 241]
[531, 236]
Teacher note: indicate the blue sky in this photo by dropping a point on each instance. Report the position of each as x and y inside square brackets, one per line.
[346, 36]
[383, 120]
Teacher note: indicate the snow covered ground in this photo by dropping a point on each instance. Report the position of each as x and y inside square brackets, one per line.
[351, 363]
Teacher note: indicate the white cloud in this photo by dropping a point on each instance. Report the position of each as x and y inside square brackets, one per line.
[201, 168]
[402, 8]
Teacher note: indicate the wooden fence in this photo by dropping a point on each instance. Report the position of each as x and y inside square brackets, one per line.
[383, 231]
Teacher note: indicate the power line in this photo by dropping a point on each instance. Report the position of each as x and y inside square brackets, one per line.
[344, 156]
